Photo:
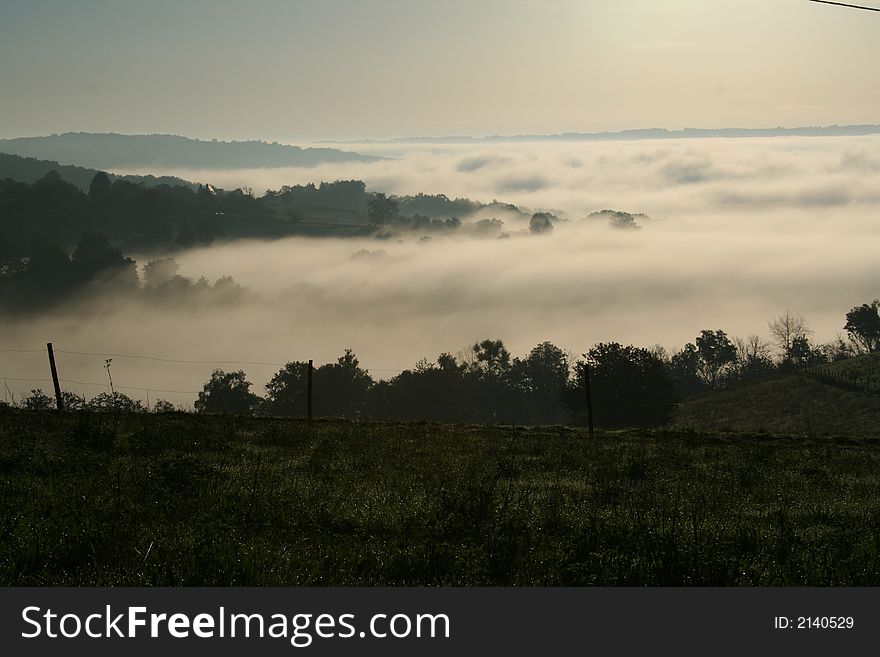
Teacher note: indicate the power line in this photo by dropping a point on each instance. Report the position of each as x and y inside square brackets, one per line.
[176, 392]
[145, 389]
[12, 378]
[843, 4]
[163, 360]
[170, 360]
[139, 388]
[199, 362]
[102, 385]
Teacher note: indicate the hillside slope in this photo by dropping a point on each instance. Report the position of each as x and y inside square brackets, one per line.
[810, 402]
[109, 151]
[29, 170]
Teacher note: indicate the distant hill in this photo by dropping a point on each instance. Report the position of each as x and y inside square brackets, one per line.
[841, 398]
[112, 151]
[645, 133]
[29, 170]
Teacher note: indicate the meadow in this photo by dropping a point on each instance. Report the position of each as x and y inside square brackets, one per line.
[180, 499]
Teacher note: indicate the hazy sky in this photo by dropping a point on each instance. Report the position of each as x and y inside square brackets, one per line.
[307, 69]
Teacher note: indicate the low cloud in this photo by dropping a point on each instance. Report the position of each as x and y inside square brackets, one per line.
[518, 184]
[742, 230]
[471, 164]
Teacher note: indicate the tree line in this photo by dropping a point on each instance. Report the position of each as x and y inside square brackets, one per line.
[166, 217]
[49, 275]
[56, 242]
[631, 386]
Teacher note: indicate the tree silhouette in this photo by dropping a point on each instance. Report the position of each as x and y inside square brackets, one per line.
[449, 391]
[863, 327]
[685, 369]
[37, 401]
[72, 401]
[160, 271]
[493, 356]
[787, 328]
[45, 278]
[382, 209]
[752, 357]
[94, 257]
[632, 387]
[541, 379]
[541, 223]
[340, 388]
[227, 393]
[287, 390]
[716, 354]
[163, 406]
[99, 188]
[804, 352]
[116, 402]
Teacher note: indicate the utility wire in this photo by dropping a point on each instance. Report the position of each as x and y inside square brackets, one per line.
[102, 385]
[167, 360]
[141, 388]
[843, 4]
[12, 378]
[170, 360]
[142, 357]
[197, 362]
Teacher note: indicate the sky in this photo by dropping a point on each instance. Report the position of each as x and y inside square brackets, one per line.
[303, 70]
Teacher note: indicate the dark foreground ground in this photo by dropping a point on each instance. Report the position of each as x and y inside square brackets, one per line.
[188, 500]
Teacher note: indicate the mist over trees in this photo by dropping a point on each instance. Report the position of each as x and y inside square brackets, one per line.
[540, 223]
[164, 217]
[145, 213]
[57, 240]
[131, 215]
[48, 276]
[620, 220]
[62, 244]
[631, 386]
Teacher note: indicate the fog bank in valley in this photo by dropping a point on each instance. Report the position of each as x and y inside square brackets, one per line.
[739, 231]
[665, 178]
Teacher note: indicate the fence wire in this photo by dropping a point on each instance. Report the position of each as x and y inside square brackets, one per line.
[147, 390]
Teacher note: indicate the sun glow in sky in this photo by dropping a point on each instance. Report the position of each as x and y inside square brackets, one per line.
[298, 70]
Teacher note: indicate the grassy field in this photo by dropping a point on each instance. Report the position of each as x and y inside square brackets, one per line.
[182, 499]
[864, 368]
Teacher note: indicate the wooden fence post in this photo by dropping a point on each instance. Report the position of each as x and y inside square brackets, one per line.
[58, 398]
[309, 392]
[589, 392]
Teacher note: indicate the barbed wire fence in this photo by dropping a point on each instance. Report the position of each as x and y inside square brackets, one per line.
[113, 399]
[120, 394]
[864, 382]
[22, 386]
